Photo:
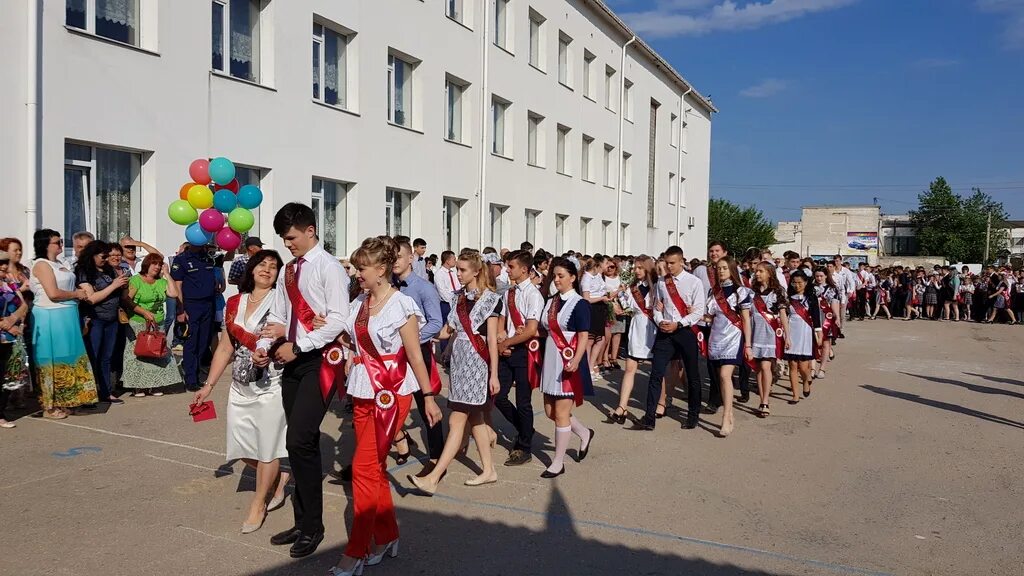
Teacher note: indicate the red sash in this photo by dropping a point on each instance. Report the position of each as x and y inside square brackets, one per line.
[534, 355]
[828, 318]
[332, 368]
[385, 382]
[641, 302]
[773, 321]
[462, 309]
[734, 319]
[567, 350]
[677, 300]
[238, 334]
[805, 314]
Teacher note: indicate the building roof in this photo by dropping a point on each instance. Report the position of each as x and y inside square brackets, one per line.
[654, 56]
[1015, 223]
[847, 206]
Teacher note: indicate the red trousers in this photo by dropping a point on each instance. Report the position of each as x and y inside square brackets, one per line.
[374, 517]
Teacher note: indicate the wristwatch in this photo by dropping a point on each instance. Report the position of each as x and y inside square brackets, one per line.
[295, 349]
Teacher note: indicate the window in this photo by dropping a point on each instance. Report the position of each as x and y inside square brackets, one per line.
[497, 224]
[627, 172]
[236, 38]
[451, 219]
[102, 191]
[531, 226]
[673, 188]
[627, 111]
[623, 239]
[674, 127]
[560, 233]
[454, 91]
[562, 151]
[113, 19]
[584, 234]
[609, 166]
[607, 237]
[499, 139]
[535, 139]
[501, 25]
[564, 60]
[398, 212]
[330, 203]
[400, 91]
[588, 80]
[330, 68]
[453, 10]
[652, 187]
[609, 88]
[536, 40]
[585, 158]
[255, 176]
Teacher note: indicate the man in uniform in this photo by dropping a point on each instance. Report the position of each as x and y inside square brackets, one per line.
[192, 271]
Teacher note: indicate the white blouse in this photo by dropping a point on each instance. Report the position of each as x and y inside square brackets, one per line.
[384, 328]
[594, 284]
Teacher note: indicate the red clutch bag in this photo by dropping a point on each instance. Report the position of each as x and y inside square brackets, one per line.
[204, 411]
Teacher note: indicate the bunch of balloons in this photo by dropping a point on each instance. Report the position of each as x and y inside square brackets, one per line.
[212, 207]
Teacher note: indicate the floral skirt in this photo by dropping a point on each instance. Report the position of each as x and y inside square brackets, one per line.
[63, 372]
[16, 370]
[146, 373]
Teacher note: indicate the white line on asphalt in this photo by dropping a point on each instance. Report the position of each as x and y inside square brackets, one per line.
[132, 436]
[66, 472]
[246, 473]
[246, 544]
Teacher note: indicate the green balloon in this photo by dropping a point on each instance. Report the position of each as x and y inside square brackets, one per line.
[181, 212]
[241, 220]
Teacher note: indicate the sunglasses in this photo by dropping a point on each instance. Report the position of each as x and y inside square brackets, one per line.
[57, 242]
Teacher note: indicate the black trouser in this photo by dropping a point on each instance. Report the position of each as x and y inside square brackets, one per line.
[304, 406]
[862, 303]
[679, 344]
[513, 369]
[6, 350]
[434, 434]
[446, 309]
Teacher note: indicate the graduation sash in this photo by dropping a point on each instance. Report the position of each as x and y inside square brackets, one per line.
[238, 334]
[385, 381]
[828, 323]
[762, 308]
[805, 314]
[534, 355]
[332, 367]
[733, 318]
[641, 302]
[683, 309]
[567, 350]
[462, 310]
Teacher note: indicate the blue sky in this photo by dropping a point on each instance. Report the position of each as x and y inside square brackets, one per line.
[841, 101]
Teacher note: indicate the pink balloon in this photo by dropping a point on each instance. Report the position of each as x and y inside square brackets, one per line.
[233, 186]
[199, 170]
[227, 239]
[211, 220]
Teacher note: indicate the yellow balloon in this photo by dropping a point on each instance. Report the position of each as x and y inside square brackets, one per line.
[200, 197]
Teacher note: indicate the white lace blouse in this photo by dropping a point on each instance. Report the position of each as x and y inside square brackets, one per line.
[384, 329]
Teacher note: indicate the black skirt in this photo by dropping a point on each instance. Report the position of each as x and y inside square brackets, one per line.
[598, 320]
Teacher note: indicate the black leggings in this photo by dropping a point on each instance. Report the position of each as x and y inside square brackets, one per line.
[5, 355]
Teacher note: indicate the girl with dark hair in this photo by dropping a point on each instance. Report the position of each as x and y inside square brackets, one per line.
[729, 344]
[565, 378]
[805, 333]
[770, 331]
[638, 301]
[103, 287]
[830, 305]
[148, 292]
[63, 372]
[596, 294]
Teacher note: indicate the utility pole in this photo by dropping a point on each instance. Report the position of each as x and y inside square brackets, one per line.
[988, 234]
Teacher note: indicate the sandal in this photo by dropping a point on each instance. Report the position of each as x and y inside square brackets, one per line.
[402, 458]
[764, 410]
[139, 394]
[55, 414]
[617, 417]
[662, 414]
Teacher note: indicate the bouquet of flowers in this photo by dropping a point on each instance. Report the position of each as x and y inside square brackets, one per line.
[626, 276]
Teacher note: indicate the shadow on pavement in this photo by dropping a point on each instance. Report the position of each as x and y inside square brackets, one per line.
[997, 379]
[944, 406]
[972, 387]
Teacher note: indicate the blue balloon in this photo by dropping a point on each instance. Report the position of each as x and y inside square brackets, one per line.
[222, 171]
[250, 197]
[224, 200]
[196, 236]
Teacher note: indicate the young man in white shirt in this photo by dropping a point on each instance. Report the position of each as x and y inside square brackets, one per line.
[446, 280]
[419, 262]
[313, 284]
[521, 312]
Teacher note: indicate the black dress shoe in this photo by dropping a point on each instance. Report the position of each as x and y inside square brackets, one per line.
[745, 396]
[306, 545]
[645, 423]
[345, 474]
[518, 457]
[711, 409]
[289, 536]
[548, 474]
[690, 424]
[583, 453]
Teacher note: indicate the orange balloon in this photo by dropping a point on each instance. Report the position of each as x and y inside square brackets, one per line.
[183, 193]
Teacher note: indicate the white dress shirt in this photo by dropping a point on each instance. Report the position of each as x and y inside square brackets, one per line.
[701, 273]
[446, 280]
[324, 285]
[594, 284]
[691, 290]
[529, 302]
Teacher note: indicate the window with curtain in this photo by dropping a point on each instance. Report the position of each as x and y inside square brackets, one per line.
[398, 213]
[452, 219]
[330, 67]
[236, 33]
[330, 204]
[114, 19]
[102, 191]
[536, 40]
[497, 224]
[453, 110]
[501, 23]
[399, 91]
[254, 176]
[499, 110]
[564, 60]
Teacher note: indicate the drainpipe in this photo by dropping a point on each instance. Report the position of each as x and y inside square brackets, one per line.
[32, 121]
[622, 117]
[484, 102]
[679, 161]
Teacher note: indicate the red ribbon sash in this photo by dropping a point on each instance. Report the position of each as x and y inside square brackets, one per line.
[805, 314]
[733, 318]
[683, 309]
[534, 353]
[828, 320]
[574, 382]
[774, 322]
[332, 367]
[385, 381]
[462, 309]
[238, 334]
[641, 302]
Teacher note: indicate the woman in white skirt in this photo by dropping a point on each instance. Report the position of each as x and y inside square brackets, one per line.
[805, 333]
[473, 373]
[565, 377]
[729, 345]
[638, 300]
[770, 335]
[256, 423]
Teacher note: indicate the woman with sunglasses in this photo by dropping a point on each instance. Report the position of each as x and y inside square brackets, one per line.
[103, 287]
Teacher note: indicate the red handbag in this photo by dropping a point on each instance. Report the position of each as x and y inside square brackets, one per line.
[204, 411]
[151, 343]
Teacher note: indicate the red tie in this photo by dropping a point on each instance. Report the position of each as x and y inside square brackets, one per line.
[294, 323]
[452, 277]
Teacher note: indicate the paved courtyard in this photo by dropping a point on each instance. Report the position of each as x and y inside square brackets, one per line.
[907, 459]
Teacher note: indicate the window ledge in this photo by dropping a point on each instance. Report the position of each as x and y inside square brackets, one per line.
[611, 187]
[588, 181]
[609, 109]
[538, 69]
[457, 143]
[405, 127]
[503, 49]
[630, 120]
[673, 146]
[588, 97]
[459, 22]
[105, 40]
[502, 156]
[336, 108]
[569, 88]
[567, 175]
[535, 165]
[219, 74]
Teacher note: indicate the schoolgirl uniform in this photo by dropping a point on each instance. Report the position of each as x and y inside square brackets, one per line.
[767, 337]
[470, 364]
[804, 320]
[594, 284]
[826, 296]
[642, 330]
[566, 317]
[725, 343]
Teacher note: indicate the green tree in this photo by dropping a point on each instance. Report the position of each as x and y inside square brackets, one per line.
[954, 227]
[739, 228]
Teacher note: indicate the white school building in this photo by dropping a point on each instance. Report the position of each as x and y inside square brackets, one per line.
[465, 122]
